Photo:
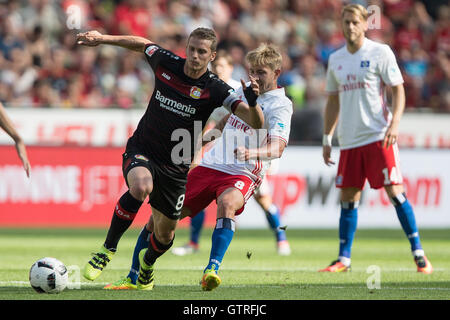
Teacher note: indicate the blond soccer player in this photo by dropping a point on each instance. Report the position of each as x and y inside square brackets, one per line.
[367, 132]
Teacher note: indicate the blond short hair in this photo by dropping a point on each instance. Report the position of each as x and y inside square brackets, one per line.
[265, 55]
[357, 9]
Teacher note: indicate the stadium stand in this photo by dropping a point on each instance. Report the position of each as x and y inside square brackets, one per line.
[42, 67]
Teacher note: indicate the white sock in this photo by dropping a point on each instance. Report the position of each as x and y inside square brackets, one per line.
[418, 253]
[345, 261]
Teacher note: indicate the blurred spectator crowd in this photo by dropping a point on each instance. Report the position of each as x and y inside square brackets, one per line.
[41, 65]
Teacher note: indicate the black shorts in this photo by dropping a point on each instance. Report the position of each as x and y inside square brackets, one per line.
[168, 189]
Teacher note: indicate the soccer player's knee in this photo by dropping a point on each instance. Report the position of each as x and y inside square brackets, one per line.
[394, 190]
[227, 204]
[140, 190]
[166, 236]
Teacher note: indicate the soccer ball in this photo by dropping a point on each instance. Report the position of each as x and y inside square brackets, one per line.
[48, 275]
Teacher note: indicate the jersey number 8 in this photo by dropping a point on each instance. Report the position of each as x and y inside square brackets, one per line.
[180, 202]
[240, 185]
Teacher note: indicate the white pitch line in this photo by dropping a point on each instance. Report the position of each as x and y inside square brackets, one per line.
[308, 286]
[286, 269]
[27, 284]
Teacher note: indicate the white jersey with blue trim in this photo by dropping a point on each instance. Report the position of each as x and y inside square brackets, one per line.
[277, 110]
[359, 79]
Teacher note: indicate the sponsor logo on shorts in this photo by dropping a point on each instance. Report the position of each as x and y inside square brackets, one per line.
[339, 180]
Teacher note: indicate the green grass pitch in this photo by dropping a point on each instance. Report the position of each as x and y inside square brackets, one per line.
[263, 276]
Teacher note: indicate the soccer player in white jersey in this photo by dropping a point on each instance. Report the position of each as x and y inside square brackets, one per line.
[235, 166]
[367, 131]
[223, 67]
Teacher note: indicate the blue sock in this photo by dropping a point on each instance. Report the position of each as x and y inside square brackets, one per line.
[196, 226]
[221, 239]
[405, 214]
[347, 227]
[273, 217]
[141, 243]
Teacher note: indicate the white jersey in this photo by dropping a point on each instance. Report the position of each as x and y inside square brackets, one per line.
[359, 79]
[277, 110]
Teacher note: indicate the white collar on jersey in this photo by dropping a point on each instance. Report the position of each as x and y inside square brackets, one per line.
[365, 42]
[275, 92]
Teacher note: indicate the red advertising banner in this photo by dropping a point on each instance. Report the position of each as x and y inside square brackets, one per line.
[68, 187]
[79, 187]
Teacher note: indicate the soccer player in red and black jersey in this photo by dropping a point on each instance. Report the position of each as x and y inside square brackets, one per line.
[185, 95]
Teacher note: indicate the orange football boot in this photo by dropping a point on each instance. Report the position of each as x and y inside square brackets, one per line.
[423, 265]
[336, 266]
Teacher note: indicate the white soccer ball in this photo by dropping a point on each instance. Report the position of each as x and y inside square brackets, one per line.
[48, 275]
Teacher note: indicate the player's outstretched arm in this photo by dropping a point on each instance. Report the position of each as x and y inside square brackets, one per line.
[330, 121]
[94, 38]
[251, 113]
[7, 125]
[216, 131]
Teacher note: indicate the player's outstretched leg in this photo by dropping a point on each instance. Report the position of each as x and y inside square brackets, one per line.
[221, 239]
[405, 214]
[124, 214]
[273, 218]
[129, 282]
[347, 229]
[195, 230]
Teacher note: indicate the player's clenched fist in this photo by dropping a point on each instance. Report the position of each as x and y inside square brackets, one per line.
[90, 38]
[242, 153]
